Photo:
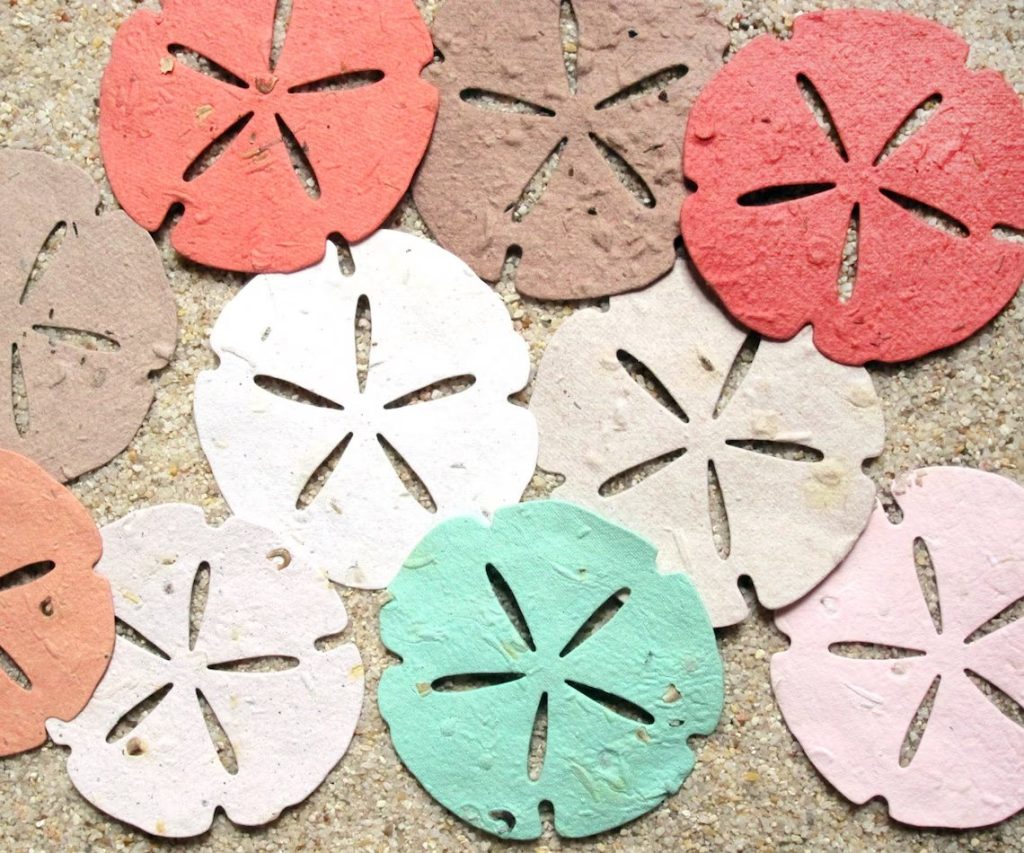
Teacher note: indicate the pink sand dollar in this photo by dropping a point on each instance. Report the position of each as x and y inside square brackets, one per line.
[869, 647]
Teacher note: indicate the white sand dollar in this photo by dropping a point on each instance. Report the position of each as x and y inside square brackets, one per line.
[216, 696]
[657, 418]
[325, 423]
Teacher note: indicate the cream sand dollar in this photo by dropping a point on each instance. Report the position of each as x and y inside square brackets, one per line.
[353, 412]
[734, 459]
[216, 695]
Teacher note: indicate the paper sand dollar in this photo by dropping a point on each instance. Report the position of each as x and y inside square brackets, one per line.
[580, 172]
[354, 412]
[86, 317]
[272, 132]
[922, 622]
[548, 612]
[56, 616]
[216, 694]
[732, 465]
[915, 160]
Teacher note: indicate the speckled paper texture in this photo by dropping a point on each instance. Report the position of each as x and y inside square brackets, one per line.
[247, 649]
[852, 715]
[624, 690]
[922, 278]
[87, 316]
[786, 445]
[251, 209]
[56, 616]
[588, 234]
[441, 361]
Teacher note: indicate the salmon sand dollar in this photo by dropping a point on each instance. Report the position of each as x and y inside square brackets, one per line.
[56, 615]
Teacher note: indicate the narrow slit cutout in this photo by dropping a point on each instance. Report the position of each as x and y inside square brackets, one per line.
[538, 740]
[319, 478]
[850, 261]
[19, 393]
[645, 86]
[197, 602]
[643, 376]
[473, 681]
[79, 338]
[507, 599]
[738, 371]
[47, 252]
[782, 194]
[218, 737]
[407, 474]
[26, 574]
[788, 450]
[616, 704]
[719, 515]
[339, 82]
[929, 582]
[918, 726]
[537, 184]
[133, 718]
[929, 215]
[604, 614]
[629, 177]
[301, 165]
[447, 387]
[216, 149]
[500, 102]
[295, 393]
[918, 118]
[624, 480]
[194, 60]
[822, 115]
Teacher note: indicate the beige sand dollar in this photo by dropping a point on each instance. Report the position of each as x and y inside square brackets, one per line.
[658, 418]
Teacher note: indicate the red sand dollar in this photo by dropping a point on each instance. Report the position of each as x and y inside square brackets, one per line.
[56, 614]
[922, 163]
[269, 146]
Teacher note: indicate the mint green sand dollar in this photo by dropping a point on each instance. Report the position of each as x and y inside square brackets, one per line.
[491, 621]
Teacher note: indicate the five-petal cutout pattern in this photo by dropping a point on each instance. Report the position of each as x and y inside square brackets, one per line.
[867, 652]
[215, 696]
[581, 170]
[864, 126]
[86, 317]
[657, 418]
[269, 147]
[56, 616]
[332, 441]
[549, 607]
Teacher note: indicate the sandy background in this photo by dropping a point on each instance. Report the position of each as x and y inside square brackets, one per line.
[752, 788]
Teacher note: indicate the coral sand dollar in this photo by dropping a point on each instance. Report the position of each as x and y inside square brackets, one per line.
[269, 147]
[918, 161]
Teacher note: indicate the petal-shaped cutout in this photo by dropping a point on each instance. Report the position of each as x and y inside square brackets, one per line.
[790, 522]
[248, 211]
[473, 451]
[56, 626]
[586, 234]
[606, 761]
[851, 716]
[776, 268]
[90, 322]
[165, 776]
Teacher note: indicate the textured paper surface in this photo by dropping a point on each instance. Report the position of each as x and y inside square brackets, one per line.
[851, 716]
[431, 320]
[469, 747]
[249, 210]
[789, 521]
[588, 235]
[287, 727]
[57, 621]
[776, 266]
[83, 395]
